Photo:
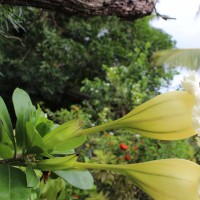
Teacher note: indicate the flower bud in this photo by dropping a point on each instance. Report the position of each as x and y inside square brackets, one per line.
[167, 117]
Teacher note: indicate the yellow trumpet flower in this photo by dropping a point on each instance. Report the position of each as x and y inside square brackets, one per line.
[167, 116]
[170, 179]
[167, 179]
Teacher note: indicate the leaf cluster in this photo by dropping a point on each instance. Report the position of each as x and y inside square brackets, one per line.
[36, 144]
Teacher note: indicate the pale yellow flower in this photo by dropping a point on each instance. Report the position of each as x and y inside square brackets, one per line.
[170, 179]
[167, 179]
[167, 116]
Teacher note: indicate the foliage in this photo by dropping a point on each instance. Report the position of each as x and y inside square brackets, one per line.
[35, 145]
[11, 18]
[74, 112]
[188, 58]
[63, 51]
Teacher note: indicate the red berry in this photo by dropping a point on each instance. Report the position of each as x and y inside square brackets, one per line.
[75, 196]
[127, 157]
[123, 147]
[135, 148]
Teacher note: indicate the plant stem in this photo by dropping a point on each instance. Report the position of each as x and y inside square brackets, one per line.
[99, 128]
[17, 160]
[15, 151]
[112, 167]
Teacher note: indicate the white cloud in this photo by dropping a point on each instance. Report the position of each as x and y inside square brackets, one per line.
[186, 28]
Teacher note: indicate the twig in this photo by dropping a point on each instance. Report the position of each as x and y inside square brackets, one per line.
[12, 37]
[165, 17]
[17, 160]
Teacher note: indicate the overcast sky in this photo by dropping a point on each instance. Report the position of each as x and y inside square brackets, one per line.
[186, 28]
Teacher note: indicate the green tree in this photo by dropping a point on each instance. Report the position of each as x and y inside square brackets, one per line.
[62, 51]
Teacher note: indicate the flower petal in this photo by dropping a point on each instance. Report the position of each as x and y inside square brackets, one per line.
[191, 85]
[167, 179]
[167, 116]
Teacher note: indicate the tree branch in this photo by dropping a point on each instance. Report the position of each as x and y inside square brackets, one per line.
[128, 9]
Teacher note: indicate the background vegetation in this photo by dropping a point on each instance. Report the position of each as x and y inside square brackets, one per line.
[95, 69]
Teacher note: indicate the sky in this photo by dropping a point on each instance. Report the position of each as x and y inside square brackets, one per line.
[185, 30]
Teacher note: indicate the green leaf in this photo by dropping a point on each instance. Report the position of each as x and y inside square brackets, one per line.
[6, 121]
[5, 151]
[6, 145]
[1, 131]
[31, 177]
[69, 145]
[34, 142]
[79, 179]
[54, 189]
[13, 184]
[44, 126]
[5, 139]
[36, 115]
[62, 135]
[189, 58]
[23, 109]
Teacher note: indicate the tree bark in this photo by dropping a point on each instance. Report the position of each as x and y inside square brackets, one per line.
[128, 9]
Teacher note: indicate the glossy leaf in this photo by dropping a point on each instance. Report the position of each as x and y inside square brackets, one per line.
[13, 184]
[6, 121]
[31, 177]
[34, 142]
[23, 108]
[44, 126]
[5, 151]
[80, 179]
[39, 120]
[36, 115]
[69, 145]
[5, 139]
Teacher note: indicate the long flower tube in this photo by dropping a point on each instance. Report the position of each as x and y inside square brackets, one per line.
[167, 116]
[167, 179]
